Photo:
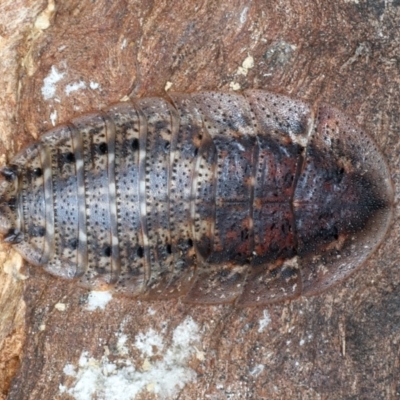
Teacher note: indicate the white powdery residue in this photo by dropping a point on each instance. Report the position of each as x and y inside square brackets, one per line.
[123, 44]
[69, 370]
[146, 342]
[151, 311]
[120, 381]
[53, 117]
[86, 383]
[94, 85]
[186, 332]
[264, 322]
[171, 373]
[83, 360]
[49, 83]
[98, 300]
[122, 349]
[109, 368]
[62, 388]
[73, 87]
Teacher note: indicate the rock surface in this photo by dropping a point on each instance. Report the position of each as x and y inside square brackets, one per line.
[60, 341]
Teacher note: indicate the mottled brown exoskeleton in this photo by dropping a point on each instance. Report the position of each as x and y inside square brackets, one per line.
[216, 197]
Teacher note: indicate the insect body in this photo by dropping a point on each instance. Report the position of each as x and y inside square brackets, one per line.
[216, 197]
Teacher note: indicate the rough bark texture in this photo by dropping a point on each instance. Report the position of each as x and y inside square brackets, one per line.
[342, 344]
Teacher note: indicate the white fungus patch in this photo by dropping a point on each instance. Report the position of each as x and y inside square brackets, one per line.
[121, 344]
[120, 380]
[264, 322]
[49, 83]
[98, 299]
[69, 370]
[149, 342]
[73, 87]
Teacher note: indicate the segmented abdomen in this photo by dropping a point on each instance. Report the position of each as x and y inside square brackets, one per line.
[214, 196]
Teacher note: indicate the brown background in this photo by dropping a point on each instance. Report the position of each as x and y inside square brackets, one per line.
[342, 344]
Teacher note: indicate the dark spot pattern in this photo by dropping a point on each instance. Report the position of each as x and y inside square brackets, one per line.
[251, 198]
